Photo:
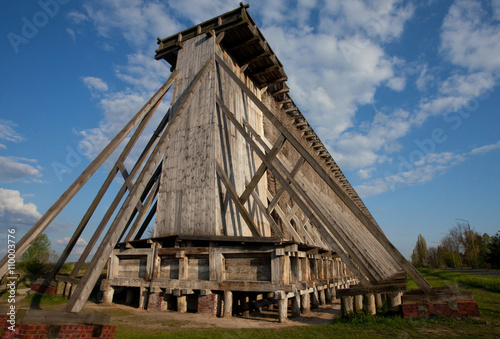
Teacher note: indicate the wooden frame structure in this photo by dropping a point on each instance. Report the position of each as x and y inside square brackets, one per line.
[245, 197]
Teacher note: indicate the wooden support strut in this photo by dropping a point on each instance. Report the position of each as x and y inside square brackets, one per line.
[237, 203]
[83, 290]
[75, 187]
[376, 232]
[262, 170]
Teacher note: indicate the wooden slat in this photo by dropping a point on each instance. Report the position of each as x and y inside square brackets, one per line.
[294, 172]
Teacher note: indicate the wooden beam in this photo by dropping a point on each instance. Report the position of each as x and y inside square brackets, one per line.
[142, 214]
[232, 192]
[278, 195]
[147, 221]
[262, 168]
[75, 187]
[263, 209]
[83, 290]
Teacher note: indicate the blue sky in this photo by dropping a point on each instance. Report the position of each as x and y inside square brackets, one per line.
[404, 94]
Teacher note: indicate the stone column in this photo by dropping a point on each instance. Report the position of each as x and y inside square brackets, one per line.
[379, 300]
[322, 298]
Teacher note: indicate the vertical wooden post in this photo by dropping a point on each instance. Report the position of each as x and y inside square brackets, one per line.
[228, 304]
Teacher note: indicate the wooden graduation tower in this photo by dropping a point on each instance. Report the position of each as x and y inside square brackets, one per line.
[247, 202]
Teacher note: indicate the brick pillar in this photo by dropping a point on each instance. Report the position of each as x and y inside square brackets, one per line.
[207, 304]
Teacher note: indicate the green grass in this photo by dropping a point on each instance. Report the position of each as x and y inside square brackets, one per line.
[364, 326]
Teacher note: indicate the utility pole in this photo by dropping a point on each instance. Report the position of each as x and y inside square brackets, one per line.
[472, 240]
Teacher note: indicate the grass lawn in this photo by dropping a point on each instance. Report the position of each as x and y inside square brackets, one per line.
[486, 292]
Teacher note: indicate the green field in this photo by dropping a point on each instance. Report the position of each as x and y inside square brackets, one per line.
[486, 291]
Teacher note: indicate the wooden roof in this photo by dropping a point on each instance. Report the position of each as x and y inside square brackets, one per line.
[241, 38]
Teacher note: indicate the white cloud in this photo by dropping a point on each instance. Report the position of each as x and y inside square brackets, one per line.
[65, 241]
[14, 212]
[71, 34]
[8, 133]
[15, 169]
[410, 173]
[397, 84]
[197, 11]
[469, 38]
[486, 148]
[495, 4]
[95, 84]
[139, 22]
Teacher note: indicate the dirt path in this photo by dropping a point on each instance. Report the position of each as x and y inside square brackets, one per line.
[122, 315]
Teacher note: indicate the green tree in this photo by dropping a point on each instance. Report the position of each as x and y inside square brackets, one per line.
[494, 250]
[38, 258]
[420, 254]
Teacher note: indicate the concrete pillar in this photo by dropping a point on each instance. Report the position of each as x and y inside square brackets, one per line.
[228, 304]
[61, 285]
[282, 309]
[358, 303]
[322, 297]
[296, 306]
[328, 295]
[67, 290]
[130, 297]
[369, 304]
[314, 299]
[107, 296]
[334, 293]
[379, 300]
[143, 298]
[305, 302]
[394, 301]
[245, 306]
[182, 304]
[346, 304]
[154, 300]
